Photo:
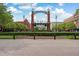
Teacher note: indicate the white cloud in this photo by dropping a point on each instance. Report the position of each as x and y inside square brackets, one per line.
[12, 4]
[37, 17]
[60, 4]
[28, 16]
[27, 5]
[43, 8]
[34, 4]
[62, 14]
[41, 17]
[66, 15]
[39, 9]
[5, 3]
[59, 11]
[48, 7]
[13, 10]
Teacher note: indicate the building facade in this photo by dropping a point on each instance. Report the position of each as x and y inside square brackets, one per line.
[74, 19]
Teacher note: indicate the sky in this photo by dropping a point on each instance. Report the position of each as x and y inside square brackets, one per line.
[61, 10]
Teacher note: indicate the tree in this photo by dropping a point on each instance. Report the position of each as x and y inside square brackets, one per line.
[36, 28]
[65, 26]
[11, 25]
[5, 16]
[77, 12]
[70, 25]
[62, 26]
[16, 26]
[21, 26]
[59, 27]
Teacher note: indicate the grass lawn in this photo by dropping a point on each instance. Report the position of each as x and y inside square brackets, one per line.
[11, 37]
[6, 37]
[71, 37]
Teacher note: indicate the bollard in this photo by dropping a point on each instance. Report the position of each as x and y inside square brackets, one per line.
[14, 36]
[75, 36]
[34, 36]
[54, 37]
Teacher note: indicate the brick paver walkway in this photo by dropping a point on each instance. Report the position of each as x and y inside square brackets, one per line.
[39, 47]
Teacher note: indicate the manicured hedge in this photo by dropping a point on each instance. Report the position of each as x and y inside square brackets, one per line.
[14, 34]
[40, 33]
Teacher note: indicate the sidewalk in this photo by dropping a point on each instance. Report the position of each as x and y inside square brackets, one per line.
[39, 47]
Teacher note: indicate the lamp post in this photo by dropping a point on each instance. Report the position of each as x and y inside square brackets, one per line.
[56, 23]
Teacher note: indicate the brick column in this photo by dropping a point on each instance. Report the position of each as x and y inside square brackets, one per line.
[32, 21]
[48, 21]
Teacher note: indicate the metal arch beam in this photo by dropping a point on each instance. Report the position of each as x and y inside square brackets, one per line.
[45, 24]
[45, 12]
[40, 23]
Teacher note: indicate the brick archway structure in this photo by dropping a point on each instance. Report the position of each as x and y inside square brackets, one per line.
[48, 19]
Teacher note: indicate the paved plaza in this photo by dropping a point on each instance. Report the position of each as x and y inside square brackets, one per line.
[39, 47]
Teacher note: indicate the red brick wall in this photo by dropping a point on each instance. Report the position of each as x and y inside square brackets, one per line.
[72, 19]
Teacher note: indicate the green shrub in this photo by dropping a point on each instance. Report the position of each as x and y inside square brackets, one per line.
[40, 33]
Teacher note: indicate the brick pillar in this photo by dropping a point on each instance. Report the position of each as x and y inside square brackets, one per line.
[32, 21]
[48, 21]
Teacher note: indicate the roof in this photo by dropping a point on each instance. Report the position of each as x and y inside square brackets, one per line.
[72, 18]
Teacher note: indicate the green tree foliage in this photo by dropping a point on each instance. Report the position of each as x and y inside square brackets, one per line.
[21, 26]
[36, 29]
[70, 25]
[77, 12]
[16, 26]
[2, 8]
[65, 26]
[5, 16]
[11, 25]
[61, 26]
[6, 20]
